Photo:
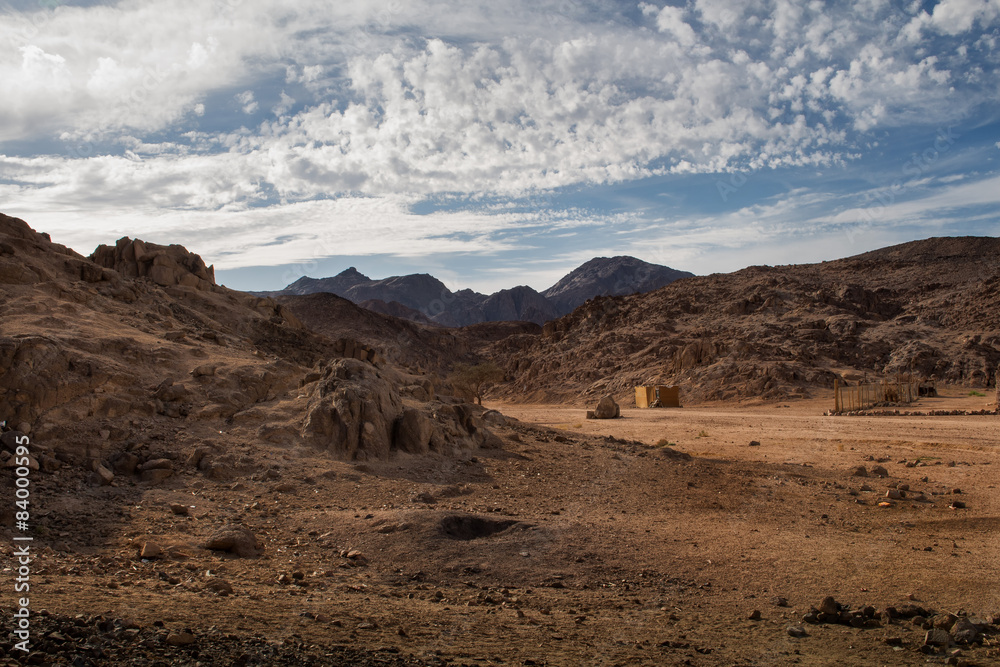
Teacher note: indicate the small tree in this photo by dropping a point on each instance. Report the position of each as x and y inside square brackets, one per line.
[477, 378]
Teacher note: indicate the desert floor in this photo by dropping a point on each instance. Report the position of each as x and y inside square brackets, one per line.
[564, 547]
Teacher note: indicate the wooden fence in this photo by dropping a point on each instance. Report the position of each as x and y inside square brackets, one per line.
[872, 394]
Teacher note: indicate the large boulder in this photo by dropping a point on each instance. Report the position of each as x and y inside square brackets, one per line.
[353, 411]
[607, 408]
[356, 412]
[413, 432]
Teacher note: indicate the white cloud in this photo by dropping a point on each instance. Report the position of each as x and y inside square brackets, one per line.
[284, 106]
[670, 20]
[374, 100]
[247, 102]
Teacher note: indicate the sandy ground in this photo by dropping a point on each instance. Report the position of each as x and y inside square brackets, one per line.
[606, 552]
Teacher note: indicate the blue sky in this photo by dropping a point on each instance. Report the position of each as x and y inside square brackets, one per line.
[495, 144]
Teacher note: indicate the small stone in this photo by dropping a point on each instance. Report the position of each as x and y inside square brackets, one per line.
[880, 471]
[797, 631]
[150, 550]
[220, 587]
[895, 494]
[180, 638]
[829, 606]
[957, 505]
[754, 443]
[157, 464]
[179, 510]
[298, 575]
[239, 541]
[779, 601]
[104, 476]
[956, 491]
[860, 471]
[964, 631]
[937, 637]
[155, 475]
[754, 615]
[944, 621]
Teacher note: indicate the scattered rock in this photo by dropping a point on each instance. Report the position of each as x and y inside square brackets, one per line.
[860, 471]
[797, 631]
[879, 471]
[180, 638]
[235, 540]
[937, 637]
[829, 606]
[103, 475]
[754, 615]
[150, 550]
[944, 621]
[155, 475]
[219, 587]
[180, 510]
[157, 464]
[754, 443]
[964, 631]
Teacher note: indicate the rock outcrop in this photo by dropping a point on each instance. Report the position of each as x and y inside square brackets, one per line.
[356, 412]
[164, 265]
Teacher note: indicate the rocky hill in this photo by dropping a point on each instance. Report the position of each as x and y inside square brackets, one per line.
[419, 348]
[110, 355]
[929, 306]
[614, 276]
[421, 297]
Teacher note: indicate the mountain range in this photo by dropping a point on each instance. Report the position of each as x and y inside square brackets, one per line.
[421, 297]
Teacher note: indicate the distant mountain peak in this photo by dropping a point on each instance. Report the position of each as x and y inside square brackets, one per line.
[421, 296]
[352, 272]
[609, 276]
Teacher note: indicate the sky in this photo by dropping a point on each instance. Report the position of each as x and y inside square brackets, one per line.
[499, 143]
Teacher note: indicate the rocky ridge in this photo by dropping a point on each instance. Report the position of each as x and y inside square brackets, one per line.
[140, 333]
[931, 307]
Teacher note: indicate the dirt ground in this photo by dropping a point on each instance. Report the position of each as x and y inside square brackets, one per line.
[564, 547]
